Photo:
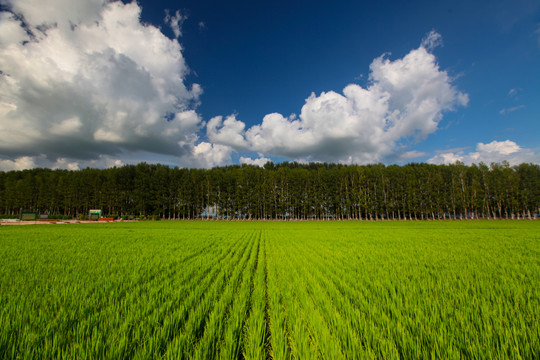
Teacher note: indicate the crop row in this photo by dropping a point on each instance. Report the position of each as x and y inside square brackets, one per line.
[134, 301]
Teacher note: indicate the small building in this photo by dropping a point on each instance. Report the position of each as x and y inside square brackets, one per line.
[28, 216]
[94, 215]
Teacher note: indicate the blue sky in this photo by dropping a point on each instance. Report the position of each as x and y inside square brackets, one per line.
[99, 83]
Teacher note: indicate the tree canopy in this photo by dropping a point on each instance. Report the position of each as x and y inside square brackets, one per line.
[287, 190]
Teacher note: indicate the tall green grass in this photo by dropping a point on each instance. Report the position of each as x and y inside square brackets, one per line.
[283, 290]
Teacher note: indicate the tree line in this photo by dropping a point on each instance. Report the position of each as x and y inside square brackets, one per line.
[285, 191]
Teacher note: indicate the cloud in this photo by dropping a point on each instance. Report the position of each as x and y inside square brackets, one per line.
[512, 109]
[207, 155]
[499, 147]
[175, 22]
[21, 163]
[404, 101]
[432, 40]
[81, 80]
[495, 151]
[261, 161]
[514, 92]
[62, 163]
[412, 155]
[41, 161]
[229, 132]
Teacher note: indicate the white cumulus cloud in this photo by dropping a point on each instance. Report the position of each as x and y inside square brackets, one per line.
[405, 99]
[41, 161]
[493, 152]
[21, 163]
[229, 133]
[208, 155]
[62, 163]
[261, 161]
[84, 79]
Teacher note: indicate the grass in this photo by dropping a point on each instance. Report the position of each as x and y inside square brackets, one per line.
[300, 290]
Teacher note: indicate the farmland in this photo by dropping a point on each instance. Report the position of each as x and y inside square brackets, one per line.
[203, 289]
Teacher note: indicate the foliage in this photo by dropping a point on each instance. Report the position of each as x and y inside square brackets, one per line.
[256, 290]
[59, 217]
[280, 191]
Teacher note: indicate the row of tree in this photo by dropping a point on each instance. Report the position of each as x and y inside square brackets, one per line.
[280, 191]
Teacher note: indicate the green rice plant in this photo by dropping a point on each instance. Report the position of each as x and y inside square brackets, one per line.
[281, 290]
[185, 344]
[228, 312]
[255, 331]
[279, 324]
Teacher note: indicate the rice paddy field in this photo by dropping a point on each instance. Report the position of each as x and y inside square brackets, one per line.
[280, 290]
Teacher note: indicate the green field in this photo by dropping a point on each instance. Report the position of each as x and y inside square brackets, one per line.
[331, 290]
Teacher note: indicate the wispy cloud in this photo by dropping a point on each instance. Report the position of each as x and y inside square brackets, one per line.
[432, 40]
[460, 149]
[175, 22]
[511, 109]
[514, 92]
[412, 155]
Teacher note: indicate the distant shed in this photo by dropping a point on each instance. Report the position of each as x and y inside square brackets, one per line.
[94, 215]
[28, 216]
